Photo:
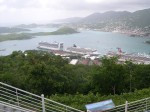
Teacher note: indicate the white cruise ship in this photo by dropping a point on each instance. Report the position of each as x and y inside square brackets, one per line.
[51, 46]
[80, 50]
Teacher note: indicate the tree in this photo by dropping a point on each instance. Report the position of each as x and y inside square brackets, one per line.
[110, 78]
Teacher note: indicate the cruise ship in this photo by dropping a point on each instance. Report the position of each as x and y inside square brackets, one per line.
[51, 46]
[56, 47]
[79, 50]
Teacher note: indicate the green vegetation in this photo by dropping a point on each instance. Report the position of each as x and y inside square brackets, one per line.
[136, 24]
[21, 36]
[64, 30]
[61, 31]
[40, 72]
[148, 42]
[15, 36]
[79, 100]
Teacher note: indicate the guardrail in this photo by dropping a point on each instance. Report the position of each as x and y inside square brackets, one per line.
[6, 107]
[27, 100]
[136, 106]
[23, 101]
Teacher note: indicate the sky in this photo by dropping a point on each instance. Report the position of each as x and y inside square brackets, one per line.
[14, 12]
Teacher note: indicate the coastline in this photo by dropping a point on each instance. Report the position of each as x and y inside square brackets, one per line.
[129, 33]
[24, 36]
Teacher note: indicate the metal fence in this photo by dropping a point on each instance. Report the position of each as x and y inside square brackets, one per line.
[6, 107]
[136, 106]
[12, 98]
[18, 98]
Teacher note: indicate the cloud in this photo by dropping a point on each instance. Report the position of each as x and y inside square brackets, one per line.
[19, 4]
[103, 5]
[75, 4]
[29, 11]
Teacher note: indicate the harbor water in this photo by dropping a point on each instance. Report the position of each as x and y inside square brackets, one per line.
[102, 41]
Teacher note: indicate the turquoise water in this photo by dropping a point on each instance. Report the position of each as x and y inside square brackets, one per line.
[102, 41]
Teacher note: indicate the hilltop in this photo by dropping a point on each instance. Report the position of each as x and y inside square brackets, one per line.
[61, 31]
[64, 30]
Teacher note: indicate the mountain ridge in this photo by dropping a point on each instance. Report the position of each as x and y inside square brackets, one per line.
[68, 20]
[133, 23]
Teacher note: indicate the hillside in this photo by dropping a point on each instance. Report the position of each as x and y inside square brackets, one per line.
[60, 31]
[136, 19]
[15, 36]
[64, 30]
[135, 23]
[76, 85]
[110, 16]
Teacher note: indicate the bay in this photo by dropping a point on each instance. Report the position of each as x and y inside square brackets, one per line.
[102, 41]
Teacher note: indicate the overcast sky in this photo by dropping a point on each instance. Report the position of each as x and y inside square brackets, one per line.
[44, 11]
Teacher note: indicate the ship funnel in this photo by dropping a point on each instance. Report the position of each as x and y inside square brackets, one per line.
[61, 46]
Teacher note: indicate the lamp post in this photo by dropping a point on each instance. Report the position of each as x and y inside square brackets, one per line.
[130, 82]
[130, 73]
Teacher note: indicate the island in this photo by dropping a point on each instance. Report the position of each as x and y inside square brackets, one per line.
[15, 36]
[60, 31]
[22, 36]
[34, 25]
[12, 30]
[148, 42]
